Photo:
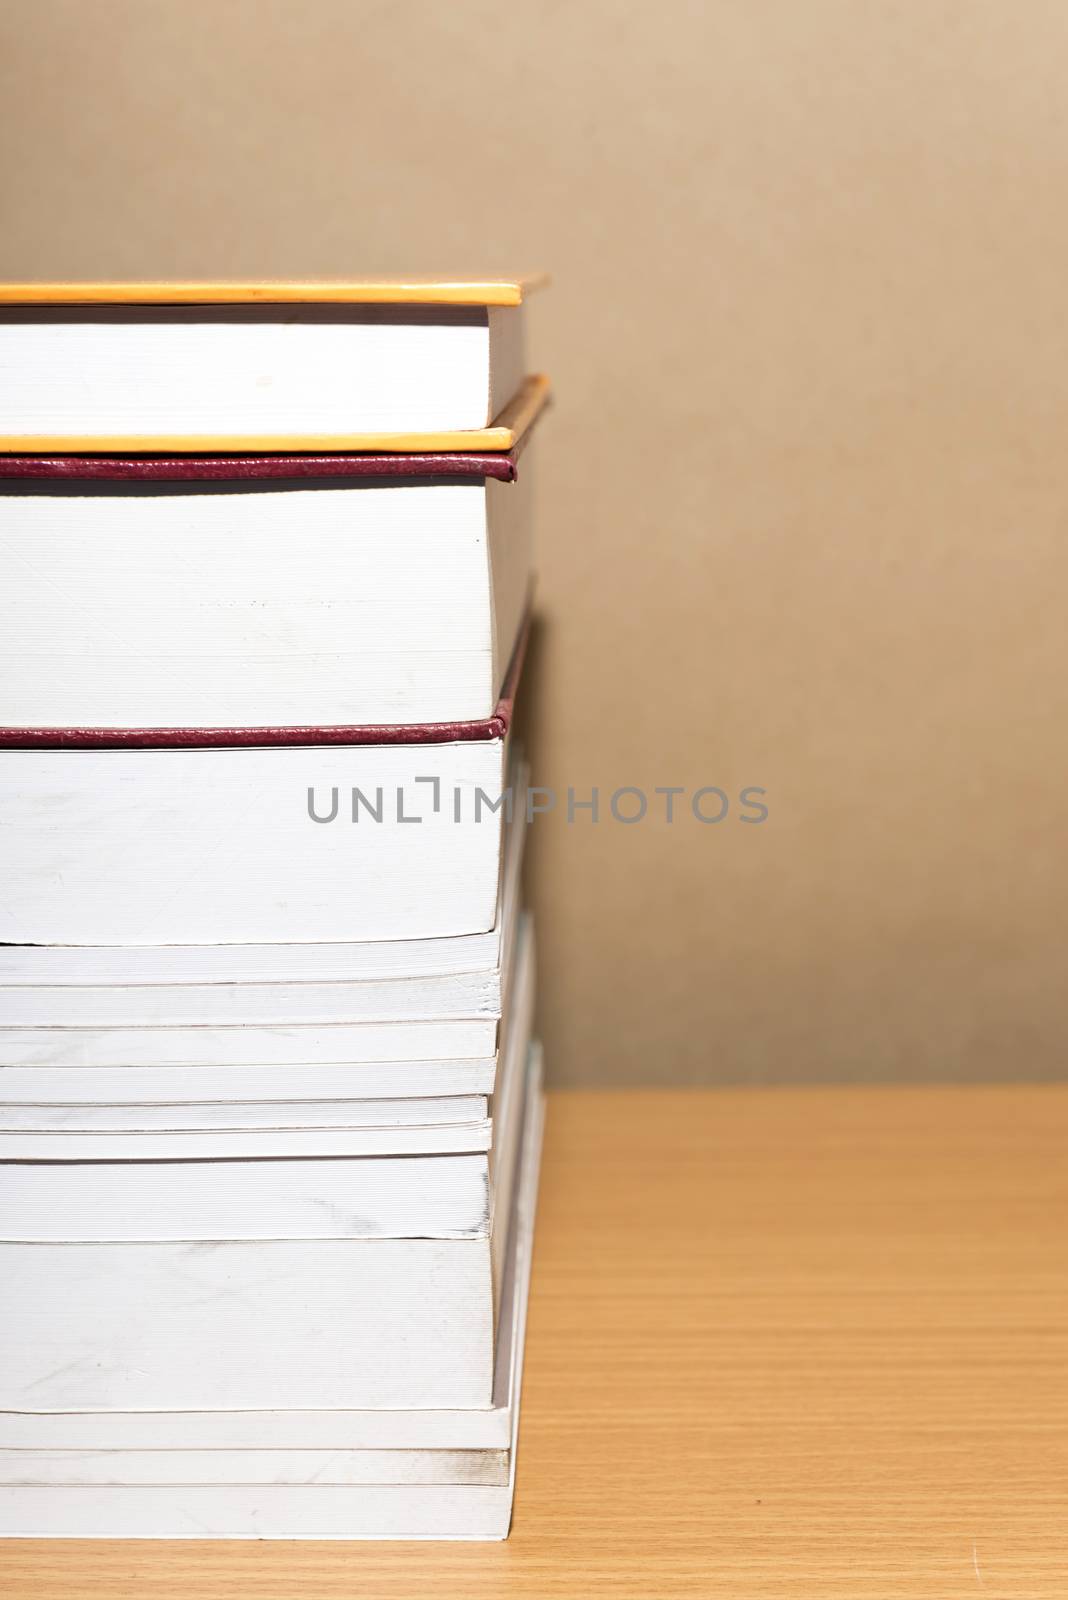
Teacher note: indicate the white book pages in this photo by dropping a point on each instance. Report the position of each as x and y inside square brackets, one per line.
[292, 370]
[249, 1144]
[218, 845]
[393, 961]
[408, 1197]
[347, 602]
[250, 1182]
[168, 1085]
[321, 1468]
[328, 1429]
[221, 1116]
[303, 1045]
[227, 1005]
[466, 996]
[272, 1510]
[260, 1512]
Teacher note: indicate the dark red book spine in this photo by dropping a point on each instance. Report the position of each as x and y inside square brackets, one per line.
[494, 727]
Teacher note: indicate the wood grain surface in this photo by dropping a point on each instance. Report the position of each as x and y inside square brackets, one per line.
[783, 1343]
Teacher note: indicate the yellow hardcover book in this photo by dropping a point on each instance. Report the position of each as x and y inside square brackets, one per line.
[404, 365]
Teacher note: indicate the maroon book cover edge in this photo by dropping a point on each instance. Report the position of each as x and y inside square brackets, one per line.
[494, 727]
[243, 469]
[500, 464]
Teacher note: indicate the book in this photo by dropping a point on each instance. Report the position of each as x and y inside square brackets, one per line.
[258, 602]
[212, 366]
[240, 841]
[296, 1049]
[447, 966]
[223, 1116]
[292, 1323]
[252, 1144]
[175, 987]
[278, 1511]
[101, 1200]
[244, 1083]
[192, 1468]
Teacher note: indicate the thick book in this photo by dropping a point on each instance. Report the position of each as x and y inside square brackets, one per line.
[293, 1323]
[138, 606]
[323, 835]
[371, 961]
[256, 366]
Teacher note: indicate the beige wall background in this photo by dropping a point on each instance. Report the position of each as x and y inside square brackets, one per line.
[804, 517]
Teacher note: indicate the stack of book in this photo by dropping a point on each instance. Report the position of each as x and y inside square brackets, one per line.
[270, 1103]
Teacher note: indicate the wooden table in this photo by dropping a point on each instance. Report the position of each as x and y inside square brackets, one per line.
[792, 1343]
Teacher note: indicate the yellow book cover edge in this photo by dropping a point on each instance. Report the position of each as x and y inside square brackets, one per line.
[321, 291]
[502, 434]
